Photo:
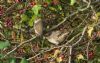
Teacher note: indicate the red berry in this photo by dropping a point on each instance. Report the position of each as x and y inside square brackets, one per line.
[8, 23]
[22, 11]
[45, 4]
[91, 54]
[55, 2]
[32, 4]
[62, 56]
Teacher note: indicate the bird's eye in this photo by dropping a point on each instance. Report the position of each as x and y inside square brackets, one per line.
[23, 0]
[20, 0]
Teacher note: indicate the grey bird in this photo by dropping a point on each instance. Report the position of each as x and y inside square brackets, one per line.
[38, 27]
[57, 37]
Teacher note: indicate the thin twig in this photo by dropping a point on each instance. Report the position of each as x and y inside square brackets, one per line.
[88, 5]
[72, 39]
[2, 35]
[63, 20]
[84, 30]
[87, 49]
[70, 53]
[19, 46]
[43, 51]
[11, 7]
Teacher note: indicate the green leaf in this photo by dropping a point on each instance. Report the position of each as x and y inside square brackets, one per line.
[31, 21]
[4, 44]
[29, 13]
[24, 60]
[48, 1]
[72, 2]
[24, 17]
[59, 7]
[1, 55]
[36, 9]
[13, 61]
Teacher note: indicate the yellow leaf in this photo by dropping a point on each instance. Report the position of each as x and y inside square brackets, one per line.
[59, 59]
[97, 16]
[56, 53]
[52, 8]
[90, 29]
[80, 56]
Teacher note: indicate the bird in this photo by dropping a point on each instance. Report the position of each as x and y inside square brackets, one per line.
[38, 27]
[56, 37]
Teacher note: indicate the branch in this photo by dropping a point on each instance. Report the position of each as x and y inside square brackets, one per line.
[63, 21]
[11, 7]
[43, 51]
[19, 46]
[84, 30]
[83, 9]
[70, 54]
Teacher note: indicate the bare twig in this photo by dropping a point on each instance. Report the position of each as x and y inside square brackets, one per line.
[70, 53]
[43, 51]
[88, 5]
[11, 7]
[72, 39]
[2, 35]
[63, 20]
[83, 9]
[87, 49]
[19, 46]
[84, 30]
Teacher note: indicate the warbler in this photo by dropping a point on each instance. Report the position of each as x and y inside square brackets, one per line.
[38, 27]
[56, 37]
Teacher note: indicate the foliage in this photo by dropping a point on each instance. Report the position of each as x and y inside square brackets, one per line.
[4, 44]
[18, 19]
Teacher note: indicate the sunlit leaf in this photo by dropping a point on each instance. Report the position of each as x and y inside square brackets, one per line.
[90, 29]
[80, 57]
[72, 2]
[97, 16]
[52, 8]
[56, 53]
[24, 60]
[4, 44]
[59, 59]
[98, 13]
[31, 21]
[36, 9]
[59, 7]
[98, 59]
[24, 17]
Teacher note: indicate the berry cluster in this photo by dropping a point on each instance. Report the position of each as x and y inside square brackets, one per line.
[91, 54]
[8, 23]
